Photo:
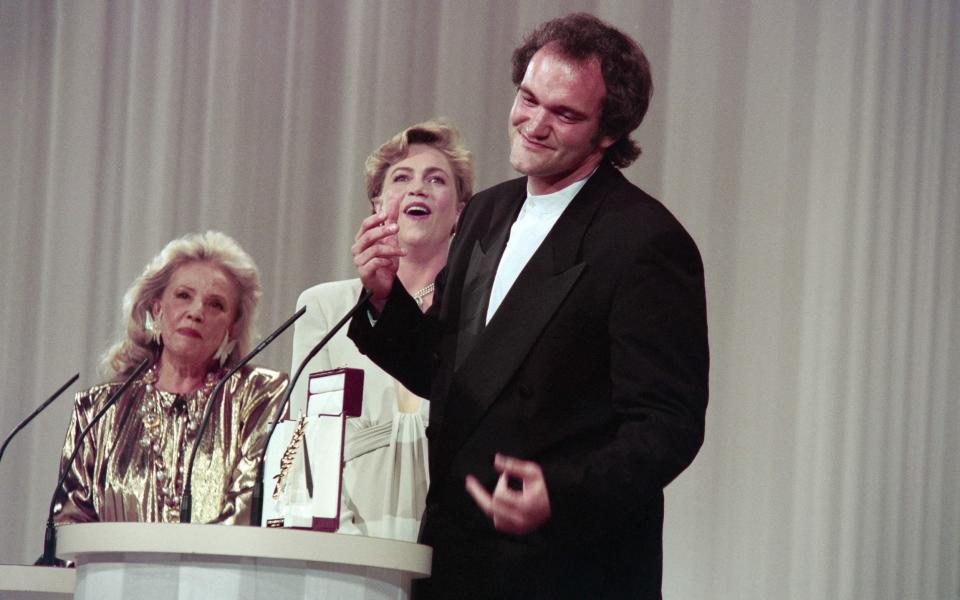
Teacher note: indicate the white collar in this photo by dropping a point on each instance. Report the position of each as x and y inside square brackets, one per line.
[547, 204]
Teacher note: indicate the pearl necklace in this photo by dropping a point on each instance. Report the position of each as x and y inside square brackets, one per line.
[157, 408]
[424, 291]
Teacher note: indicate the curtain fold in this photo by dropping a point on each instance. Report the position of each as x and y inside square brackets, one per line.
[810, 148]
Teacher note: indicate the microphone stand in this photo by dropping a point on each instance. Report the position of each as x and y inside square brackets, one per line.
[256, 508]
[36, 412]
[187, 499]
[49, 557]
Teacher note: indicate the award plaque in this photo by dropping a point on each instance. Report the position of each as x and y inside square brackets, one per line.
[303, 469]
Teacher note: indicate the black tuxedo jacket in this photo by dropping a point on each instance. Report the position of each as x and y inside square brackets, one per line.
[594, 366]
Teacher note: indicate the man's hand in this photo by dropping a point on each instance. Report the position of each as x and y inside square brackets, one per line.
[516, 511]
[377, 252]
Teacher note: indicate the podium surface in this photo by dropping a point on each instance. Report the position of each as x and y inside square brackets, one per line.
[154, 560]
[23, 582]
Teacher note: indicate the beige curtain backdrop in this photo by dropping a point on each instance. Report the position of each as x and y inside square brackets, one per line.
[812, 149]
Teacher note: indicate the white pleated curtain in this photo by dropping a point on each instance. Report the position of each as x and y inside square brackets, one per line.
[812, 149]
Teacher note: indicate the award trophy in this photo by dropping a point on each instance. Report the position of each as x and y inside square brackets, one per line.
[304, 461]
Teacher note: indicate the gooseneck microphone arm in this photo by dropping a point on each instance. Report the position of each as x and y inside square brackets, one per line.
[187, 499]
[36, 412]
[256, 508]
[49, 557]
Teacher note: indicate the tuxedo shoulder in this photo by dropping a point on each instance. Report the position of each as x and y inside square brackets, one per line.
[629, 203]
[621, 190]
[635, 221]
[510, 187]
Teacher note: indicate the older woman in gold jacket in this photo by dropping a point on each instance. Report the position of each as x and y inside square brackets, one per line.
[191, 313]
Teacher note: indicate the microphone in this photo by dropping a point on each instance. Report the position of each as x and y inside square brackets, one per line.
[187, 499]
[49, 557]
[256, 504]
[39, 410]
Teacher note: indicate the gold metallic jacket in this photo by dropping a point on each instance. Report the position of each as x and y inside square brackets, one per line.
[115, 474]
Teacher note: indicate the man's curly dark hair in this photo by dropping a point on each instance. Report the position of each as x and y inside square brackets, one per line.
[626, 74]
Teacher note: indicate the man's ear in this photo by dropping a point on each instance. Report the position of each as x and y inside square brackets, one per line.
[606, 141]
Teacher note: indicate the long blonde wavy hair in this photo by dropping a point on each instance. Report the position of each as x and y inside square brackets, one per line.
[135, 343]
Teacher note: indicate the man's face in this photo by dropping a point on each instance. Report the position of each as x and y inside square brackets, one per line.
[555, 120]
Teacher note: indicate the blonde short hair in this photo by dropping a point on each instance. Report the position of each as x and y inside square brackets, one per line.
[214, 247]
[435, 133]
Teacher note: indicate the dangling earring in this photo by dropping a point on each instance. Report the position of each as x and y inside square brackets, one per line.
[226, 347]
[152, 327]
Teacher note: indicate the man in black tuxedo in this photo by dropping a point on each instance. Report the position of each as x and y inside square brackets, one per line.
[565, 353]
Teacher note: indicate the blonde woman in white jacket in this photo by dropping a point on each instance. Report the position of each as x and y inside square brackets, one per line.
[386, 473]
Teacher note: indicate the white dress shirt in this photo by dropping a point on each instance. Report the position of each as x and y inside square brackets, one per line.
[537, 217]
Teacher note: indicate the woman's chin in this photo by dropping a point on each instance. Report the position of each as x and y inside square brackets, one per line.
[424, 243]
[188, 357]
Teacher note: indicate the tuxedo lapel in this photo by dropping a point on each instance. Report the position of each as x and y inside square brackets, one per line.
[501, 347]
[476, 290]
